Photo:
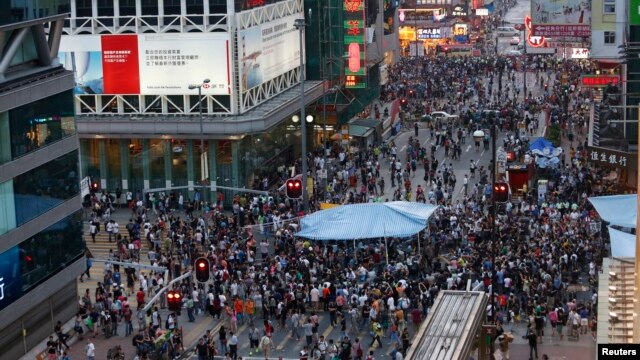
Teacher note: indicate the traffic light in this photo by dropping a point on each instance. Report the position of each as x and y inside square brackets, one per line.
[294, 188]
[501, 191]
[174, 300]
[95, 185]
[202, 270]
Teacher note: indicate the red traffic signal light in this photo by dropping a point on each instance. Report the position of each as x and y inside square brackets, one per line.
[501, 191]
[174, 300]
[202, 270]
[294, 188]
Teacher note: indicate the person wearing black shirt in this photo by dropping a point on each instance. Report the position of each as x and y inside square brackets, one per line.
[202, 349]
[52, 348]
[533, 343]
[62, 337]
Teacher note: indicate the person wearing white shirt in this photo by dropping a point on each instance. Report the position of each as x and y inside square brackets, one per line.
[90, 350]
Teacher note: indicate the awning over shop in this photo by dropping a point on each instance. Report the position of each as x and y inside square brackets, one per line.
[362, 127]
[619, 210]
[622, 244]
[359, 131]
[367, 221]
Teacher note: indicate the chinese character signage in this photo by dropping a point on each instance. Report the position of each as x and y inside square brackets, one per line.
[611, 158]
[147, 64]
[600, 80]
[579, 53]
[429, 33]
[561, 18]
[354, 44]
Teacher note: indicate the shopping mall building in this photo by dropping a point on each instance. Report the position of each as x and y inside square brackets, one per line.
[139, 67]
[41, 245]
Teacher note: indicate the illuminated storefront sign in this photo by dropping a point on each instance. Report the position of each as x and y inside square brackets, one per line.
[10, 277]
[459, 29]
[482, 12]
[354, 44]
[429, 33]
[459, 11]
[600, 80]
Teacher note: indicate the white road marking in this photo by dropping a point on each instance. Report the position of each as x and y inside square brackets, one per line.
[468, 147]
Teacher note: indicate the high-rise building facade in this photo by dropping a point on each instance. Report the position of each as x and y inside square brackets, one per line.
[143, 128]
[41, 245]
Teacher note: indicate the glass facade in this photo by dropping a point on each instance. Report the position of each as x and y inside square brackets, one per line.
[38, 258]
[159, 162]
[12, 11]
[30, 127]
[38, 190]
[51, 250]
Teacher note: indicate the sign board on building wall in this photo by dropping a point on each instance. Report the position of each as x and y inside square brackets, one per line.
[599, 80]
[579, 53]
[148, 64]
[10, 277]
[268, 50]
[611, 158]
[354, 44]
[561, 18]
[634, 12]
[482, 12]
[429, 33]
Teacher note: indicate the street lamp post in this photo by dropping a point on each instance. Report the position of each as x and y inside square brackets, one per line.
[300, 25]
[202, 156]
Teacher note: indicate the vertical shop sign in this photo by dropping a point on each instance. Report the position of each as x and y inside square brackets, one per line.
[354, 44]
[634, 12]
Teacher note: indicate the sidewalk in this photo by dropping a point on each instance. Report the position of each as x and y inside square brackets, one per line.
[556, 349]
[100, 250]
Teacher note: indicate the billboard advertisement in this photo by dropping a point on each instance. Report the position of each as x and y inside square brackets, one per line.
[148, 64]
[268, 50]
[561, 17]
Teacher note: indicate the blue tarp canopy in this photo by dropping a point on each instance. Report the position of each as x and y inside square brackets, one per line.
[622, 244]
[540, 144]
[620, 210]
[543, 147]
[366, 221]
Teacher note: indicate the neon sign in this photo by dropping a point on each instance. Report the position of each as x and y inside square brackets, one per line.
[600, 80]
[534, 41]
[354, 44]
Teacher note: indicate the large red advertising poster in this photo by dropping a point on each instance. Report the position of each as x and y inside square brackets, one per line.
[120, 65]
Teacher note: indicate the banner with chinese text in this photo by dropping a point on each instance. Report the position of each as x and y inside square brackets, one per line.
[148, 64]
[561, 18]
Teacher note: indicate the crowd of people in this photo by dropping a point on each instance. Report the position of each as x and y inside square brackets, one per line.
[529, 257]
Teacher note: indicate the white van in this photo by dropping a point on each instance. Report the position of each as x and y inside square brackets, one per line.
[507, 31]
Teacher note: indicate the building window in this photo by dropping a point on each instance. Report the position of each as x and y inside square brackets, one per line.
[609, 7]
[609, 37]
